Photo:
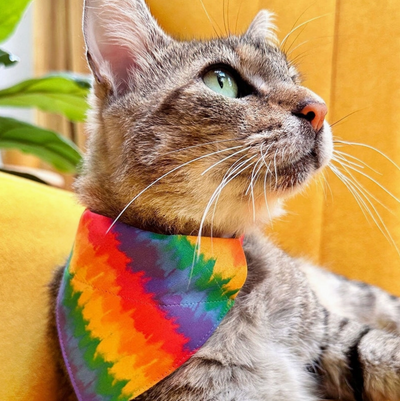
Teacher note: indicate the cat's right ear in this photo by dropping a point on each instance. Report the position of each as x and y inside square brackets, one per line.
[263, 27]
[120, 36]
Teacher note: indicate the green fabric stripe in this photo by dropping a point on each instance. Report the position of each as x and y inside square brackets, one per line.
[202, 272]
[106, 385]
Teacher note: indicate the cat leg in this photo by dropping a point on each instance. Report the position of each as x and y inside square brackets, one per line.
[202, 379]
[354, 300]
[358, 362]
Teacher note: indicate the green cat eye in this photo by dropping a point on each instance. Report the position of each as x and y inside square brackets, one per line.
[221, 81]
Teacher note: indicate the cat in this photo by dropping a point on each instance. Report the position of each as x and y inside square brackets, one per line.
[207, 138]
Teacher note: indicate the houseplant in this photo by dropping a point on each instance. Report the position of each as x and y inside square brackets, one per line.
[61, 93]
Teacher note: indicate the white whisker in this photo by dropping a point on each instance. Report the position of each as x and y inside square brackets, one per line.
[232, 167]
[344, 155]
[299, 26]
[339, 158]
[200, 145]
[212, 22]
[276, 170]
[265, 178]
[362, 192]
[294, 40]
[350, 186]
[295, 22]
[265, 190]
[361, 187]
[163, 176]
[325, 184]
[225, 158]
[253, 180]
[299, 45]
[369, 147]
[238, 14]
[215, 194]
[371, 179]
[253, 174]
[223, 183]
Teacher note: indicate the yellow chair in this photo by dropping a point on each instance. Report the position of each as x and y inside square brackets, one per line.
[37, 228]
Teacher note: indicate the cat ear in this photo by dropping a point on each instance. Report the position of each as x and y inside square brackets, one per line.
[263, 27]
[120, 35]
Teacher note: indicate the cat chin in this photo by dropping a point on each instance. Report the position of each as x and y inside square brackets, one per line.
[302, 177]
[261, 215]
[275, 210]
[299, 183]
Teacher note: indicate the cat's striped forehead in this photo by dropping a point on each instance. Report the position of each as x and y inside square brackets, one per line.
[257, 61]
[254, 55]
[125, 42]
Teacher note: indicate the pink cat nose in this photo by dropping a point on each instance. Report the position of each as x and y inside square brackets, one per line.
[314, 113]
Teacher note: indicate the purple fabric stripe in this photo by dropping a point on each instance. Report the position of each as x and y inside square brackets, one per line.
[164, 280]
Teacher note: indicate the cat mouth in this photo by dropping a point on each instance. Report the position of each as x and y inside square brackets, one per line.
[293, 175]
[305, 161]
[314, 155]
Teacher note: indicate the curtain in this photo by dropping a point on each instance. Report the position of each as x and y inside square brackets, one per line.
[59, 46]
[348, 52]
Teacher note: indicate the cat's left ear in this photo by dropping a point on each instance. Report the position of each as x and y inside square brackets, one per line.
[121, 36]
[263, 27]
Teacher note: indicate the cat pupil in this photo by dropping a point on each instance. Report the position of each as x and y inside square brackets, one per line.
[220, 80]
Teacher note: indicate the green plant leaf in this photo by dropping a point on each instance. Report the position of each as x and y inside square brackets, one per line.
[49, 146]
[11, 13]
[62, 93]
[7, 59]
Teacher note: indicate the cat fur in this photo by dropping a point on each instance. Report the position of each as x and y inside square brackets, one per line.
[296, 332]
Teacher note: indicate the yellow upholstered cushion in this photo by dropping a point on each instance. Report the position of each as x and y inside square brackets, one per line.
[349, 54]
[37, 227]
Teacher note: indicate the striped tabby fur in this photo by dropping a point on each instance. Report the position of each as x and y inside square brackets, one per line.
[203, 163]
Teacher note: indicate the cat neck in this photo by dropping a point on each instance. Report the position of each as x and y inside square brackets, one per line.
[170, 227]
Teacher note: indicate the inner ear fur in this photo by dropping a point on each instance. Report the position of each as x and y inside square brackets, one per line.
[263, 27]
[120, 35]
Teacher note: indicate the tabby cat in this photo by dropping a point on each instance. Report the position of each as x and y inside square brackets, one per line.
[206, 138]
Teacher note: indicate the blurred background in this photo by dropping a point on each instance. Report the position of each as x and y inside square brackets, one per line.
[349, 54]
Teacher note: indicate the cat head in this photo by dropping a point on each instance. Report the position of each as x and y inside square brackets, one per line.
[194, 134]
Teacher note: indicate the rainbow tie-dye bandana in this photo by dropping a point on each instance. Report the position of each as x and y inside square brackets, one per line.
[134, 306]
